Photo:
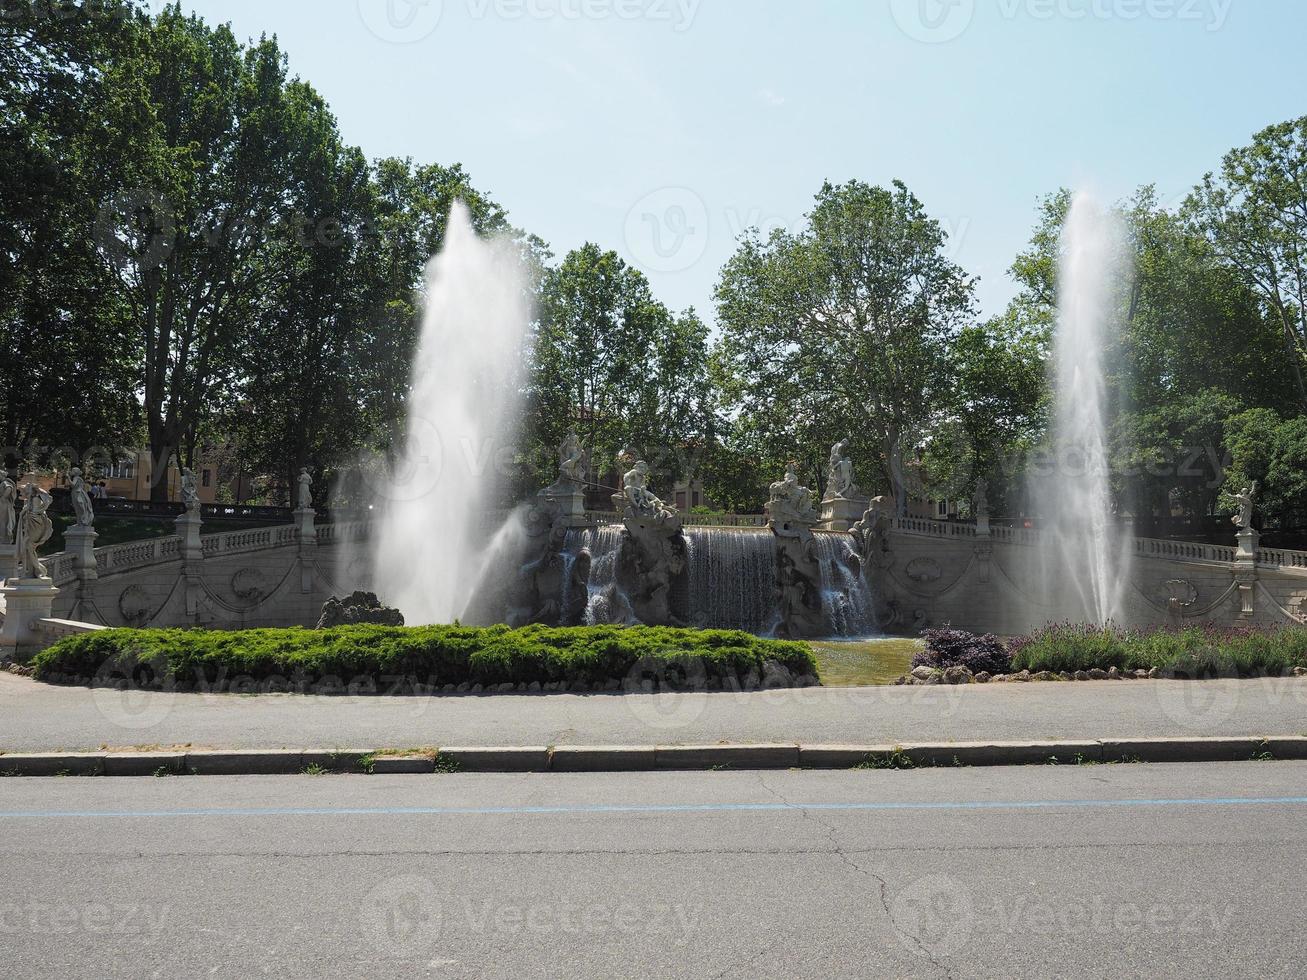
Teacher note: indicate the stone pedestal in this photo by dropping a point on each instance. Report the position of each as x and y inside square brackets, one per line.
[8, 561]
[79, 541]
[188, 529]
[308, 545]
[841, 513]
[1245, 570]
[27, 600]
[304, 523]
[570, 501]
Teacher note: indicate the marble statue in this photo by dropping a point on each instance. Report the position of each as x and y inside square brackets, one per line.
[639, 500]
[1244, 518]
[839, 473]
[980, 500]
[81, 499]
[8, 517]
[571, 461]
[190, 496]
[34, 530]
[790, 501]
[304, 493]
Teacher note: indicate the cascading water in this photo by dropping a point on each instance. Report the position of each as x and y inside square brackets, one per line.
[605, 602]
[732, 574]
[846, 596]
[1084, 558]
[430, 541]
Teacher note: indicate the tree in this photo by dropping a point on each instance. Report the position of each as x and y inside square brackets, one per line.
[212, 130]
[842, 329]
[67, 378]
[1254, 215]
[616, 366]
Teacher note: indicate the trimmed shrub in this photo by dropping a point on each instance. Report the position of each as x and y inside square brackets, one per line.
[397, 659]
[1189, 651]
[958, 648]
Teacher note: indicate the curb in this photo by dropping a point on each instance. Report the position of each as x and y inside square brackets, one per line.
[644, 758]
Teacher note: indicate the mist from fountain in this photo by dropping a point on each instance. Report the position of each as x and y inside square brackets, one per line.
[1085, 557]
[430, 539]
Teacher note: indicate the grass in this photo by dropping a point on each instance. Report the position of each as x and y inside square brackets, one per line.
[862, 663]
[396, 659]
[1194, 651]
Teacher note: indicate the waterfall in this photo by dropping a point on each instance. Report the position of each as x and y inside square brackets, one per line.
[845, 594]
[605, 602]
[732, 578]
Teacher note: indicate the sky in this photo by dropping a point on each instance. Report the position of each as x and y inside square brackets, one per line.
[663, 128]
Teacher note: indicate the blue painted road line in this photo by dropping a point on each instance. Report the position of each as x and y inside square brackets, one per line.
[456, 811]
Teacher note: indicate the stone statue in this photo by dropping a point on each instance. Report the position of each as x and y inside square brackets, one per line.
[839, 473]
[304, 493]
[571, 462]
[871, 533]
[190, 496]
[980, 500]
[81, 499]
[8, 517]
[34, 530]
[791, 502]
[1244, 518]
[639, 500]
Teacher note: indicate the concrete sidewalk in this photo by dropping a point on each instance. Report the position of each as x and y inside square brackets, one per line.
[40, 718]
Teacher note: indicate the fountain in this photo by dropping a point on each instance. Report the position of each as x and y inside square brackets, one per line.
[430, 543]
[1084, 558]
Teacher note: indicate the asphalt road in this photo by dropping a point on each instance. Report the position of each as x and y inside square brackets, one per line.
[1162, 870]
[40, 717]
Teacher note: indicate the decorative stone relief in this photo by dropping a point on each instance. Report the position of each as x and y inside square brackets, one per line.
[134, 606]
[248, 584]
[923, 570]
[1180, 593]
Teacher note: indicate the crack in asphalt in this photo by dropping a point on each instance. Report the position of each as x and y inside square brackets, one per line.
[882, 886]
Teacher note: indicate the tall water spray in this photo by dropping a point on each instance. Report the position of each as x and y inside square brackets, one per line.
[1085, 553]
[430, 538]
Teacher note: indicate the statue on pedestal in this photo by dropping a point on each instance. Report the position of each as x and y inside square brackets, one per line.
[190, 496]
[34, 530]
[980, 500]
[637, 500]
[790, 501]
[571, 462]
[8, 516]
[81, 499]
[839, 473]
[304, 492]
[1244, 518]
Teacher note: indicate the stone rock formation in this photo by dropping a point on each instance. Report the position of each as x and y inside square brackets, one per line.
[791, 517]
[358, 607]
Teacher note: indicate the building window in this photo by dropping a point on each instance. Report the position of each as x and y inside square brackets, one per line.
[943, 508]
[123, 469]
[205, 478]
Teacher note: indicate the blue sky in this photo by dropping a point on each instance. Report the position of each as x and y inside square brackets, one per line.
[662, 128]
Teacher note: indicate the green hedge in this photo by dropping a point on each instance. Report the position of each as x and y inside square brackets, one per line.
[1194, 651]
[390, 658]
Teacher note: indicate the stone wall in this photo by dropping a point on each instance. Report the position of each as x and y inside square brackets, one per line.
[276, 576]
[943, 573]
